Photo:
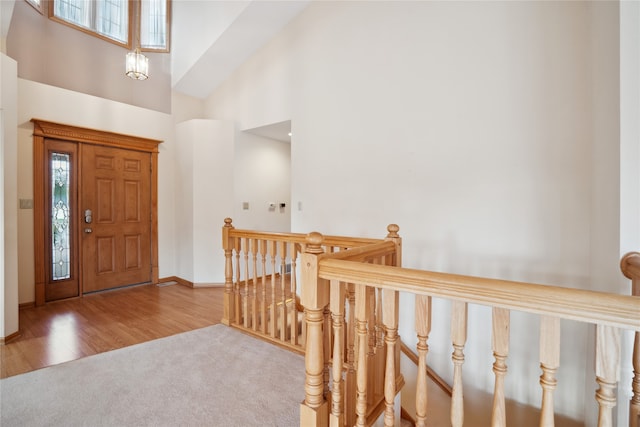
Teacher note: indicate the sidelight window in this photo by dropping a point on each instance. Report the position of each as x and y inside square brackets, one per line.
[60, 215]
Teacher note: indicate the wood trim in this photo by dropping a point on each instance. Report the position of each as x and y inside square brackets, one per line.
[26, 305]
[177, 279]
[93, 32]
[603, 308]
[39, 218]
[167, 48]
[155, 269]
[207, 285]
[92, 136]
[50, 130]
[9, 338]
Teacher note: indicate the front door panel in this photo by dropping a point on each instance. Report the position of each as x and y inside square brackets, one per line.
[116, 225]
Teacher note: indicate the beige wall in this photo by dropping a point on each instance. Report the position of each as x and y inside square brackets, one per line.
[36, 100]
[55, 54]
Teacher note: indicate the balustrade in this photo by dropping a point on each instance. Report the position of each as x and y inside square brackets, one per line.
[374, 287]
[336, 299]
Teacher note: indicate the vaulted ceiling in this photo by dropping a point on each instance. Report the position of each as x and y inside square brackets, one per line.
[211, 38]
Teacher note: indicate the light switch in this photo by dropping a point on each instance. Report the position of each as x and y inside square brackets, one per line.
[245, 206]
[26, 203]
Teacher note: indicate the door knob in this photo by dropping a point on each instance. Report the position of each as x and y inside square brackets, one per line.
[88, 230]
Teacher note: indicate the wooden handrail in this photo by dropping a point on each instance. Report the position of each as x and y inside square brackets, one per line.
[359, 254]
[336, 241]
[575, 304]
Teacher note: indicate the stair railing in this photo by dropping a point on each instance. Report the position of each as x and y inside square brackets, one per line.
[630, 266]
[261, 281]
[327, 278]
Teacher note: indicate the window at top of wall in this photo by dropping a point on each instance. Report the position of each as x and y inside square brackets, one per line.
[155, 18]
[37, 4]
[108, 19]
[113, 20]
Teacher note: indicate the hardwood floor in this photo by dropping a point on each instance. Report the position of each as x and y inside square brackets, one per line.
[71, 329]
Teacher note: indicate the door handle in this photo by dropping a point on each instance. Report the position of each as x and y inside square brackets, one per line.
[88, 216]
[88, 230]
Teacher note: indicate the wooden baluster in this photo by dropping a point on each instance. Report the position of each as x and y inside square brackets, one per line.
[350, 378]
[390, 305]
[630, 266]
[263, 303]
[634, 405]
[379, 349]
[294, 306]
[273, 315]
[361, 365]
[500, 344]
[607, 371]
[423, 329]
[227, 245]
[238, 281]
[254, 298]
[372, 372]
[458, 338]
[314, 297]
[328, 339]
[245, 300]
[549, 363]
[336, 301]
[282, 250]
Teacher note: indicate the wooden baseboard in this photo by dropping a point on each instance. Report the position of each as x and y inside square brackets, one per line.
[188, 283]
[9, 338]
[24, 305]
[208, 285]
[176, 279]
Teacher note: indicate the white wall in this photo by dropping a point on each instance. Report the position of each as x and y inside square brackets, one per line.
[8, 195]
[36, 100]
[262, 174]
[478, 118]
[204, 197]
[629, 170]
[605, 177]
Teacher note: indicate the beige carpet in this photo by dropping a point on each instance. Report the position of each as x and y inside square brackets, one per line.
[215, 376]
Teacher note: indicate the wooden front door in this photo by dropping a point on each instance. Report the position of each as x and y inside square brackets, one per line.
[109, 211]
[115, 203]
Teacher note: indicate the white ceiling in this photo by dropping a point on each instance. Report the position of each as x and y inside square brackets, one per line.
[211, 38]
[279, 131]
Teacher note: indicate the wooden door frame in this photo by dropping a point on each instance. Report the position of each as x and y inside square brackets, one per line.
[50, 130]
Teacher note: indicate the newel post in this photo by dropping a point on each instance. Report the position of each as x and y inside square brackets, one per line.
[630, 266]
[227, 245]
[393, 236]
[314, 296]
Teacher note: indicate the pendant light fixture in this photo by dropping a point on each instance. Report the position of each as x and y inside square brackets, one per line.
[137, 65]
